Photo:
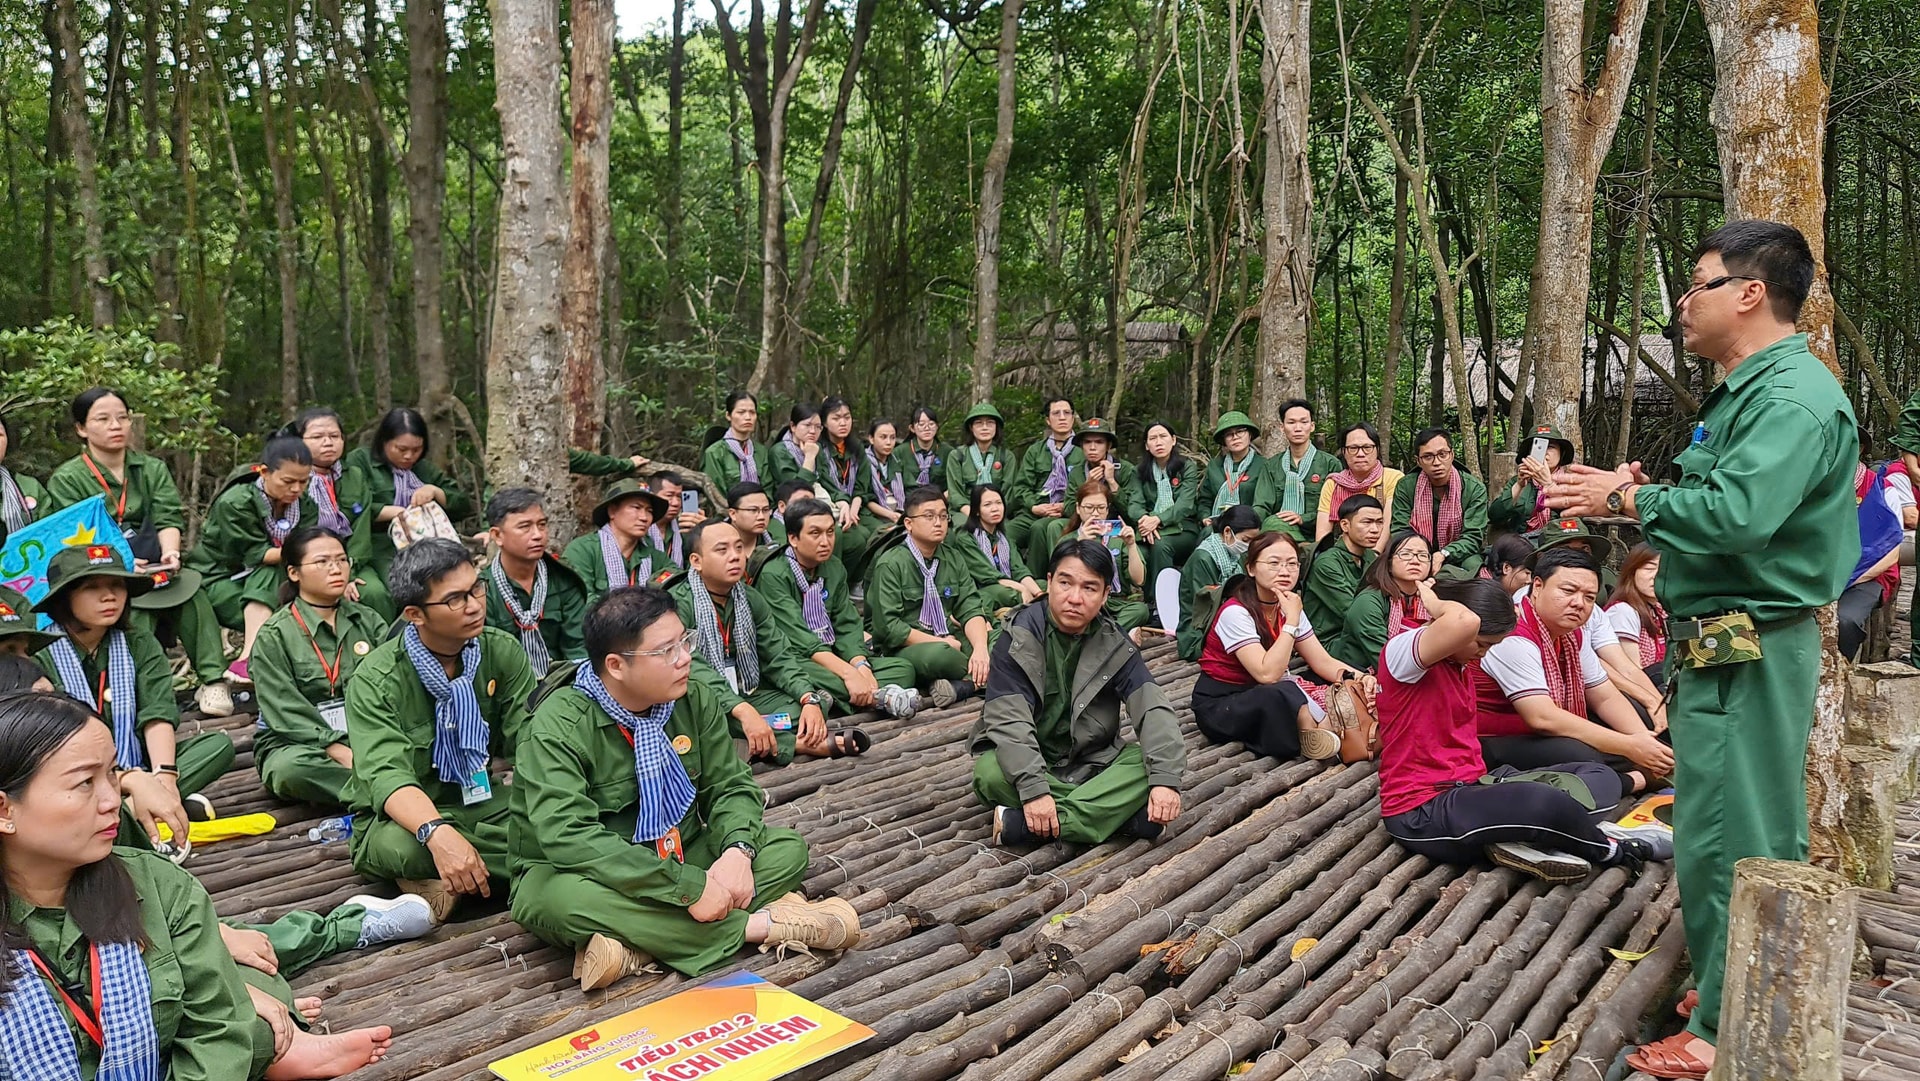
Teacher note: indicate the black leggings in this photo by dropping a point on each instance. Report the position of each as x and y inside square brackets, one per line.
[1546, 752]
[1265, 717]
[1456, 825]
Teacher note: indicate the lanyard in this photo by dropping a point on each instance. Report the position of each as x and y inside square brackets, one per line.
[120, 514]
[326, 481]
[1277, 622]
[85, 1013]
[339, 654]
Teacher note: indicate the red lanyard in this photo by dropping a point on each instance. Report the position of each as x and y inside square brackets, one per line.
[119, 515]
[333, 673]
[87, 1015]
[1276, 623]
[326, 481]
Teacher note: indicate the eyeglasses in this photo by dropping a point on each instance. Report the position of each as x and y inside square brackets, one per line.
[1361, 446]
[327, 563]
[754, 510]
[933, 516]
[1279, 564]
[1436, 455]
[459, 602]
[681, 647]
[1714, 283]
[1411, 555]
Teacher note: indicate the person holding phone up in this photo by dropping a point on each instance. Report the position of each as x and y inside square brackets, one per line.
[1092, 521]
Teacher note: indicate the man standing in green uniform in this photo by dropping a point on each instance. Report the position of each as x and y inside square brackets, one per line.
[1048, 757]
[806, 593]
[530, 594]
[744, 660]
[619, 552]
[1287, 493]
[1233, 476]
[1444, 505]
[1045, 478]
[427, 713]
[1334, 577]
[637, 831]
[917, 598]
[1759, 532]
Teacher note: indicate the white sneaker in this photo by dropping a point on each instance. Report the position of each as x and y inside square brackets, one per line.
[398, 919]
[900, 703]
[214, 699]
[1545, 864]
[1655, 841]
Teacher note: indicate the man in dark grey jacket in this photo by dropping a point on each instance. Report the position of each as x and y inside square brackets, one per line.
[1049, 758]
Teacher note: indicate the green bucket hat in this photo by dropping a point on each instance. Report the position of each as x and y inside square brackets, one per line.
[1094, 426]
[1234, 419]
[626, 489]
[71, 566]
[983, 409]
[170, 589]
[1563, 531]
[17, 621]
[1555, 438]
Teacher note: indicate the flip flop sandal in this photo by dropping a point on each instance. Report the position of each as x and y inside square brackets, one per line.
[849, 737]
[1669, 1058]
[1689, 1002]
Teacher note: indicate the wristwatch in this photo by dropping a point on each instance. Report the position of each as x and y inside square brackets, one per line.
[745, 847]
[426, 829]
[817, 698]
[1617, 499]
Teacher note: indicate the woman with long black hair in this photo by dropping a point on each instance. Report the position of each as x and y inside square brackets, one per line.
[399, 476]
[1389, 602]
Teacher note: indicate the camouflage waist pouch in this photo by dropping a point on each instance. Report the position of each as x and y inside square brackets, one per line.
[1710, 641]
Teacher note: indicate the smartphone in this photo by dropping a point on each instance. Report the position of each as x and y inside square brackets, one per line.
[1539, 451]
[689, 502]
[1110, 528]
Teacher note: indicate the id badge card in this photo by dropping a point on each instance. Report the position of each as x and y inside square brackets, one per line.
[477, 788]
[334, 712]
[733, 677]
[669, 846]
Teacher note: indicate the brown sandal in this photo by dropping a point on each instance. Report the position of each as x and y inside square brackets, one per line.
[1670, 1058]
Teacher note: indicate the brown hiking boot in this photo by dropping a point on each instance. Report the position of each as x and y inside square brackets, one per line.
[434, 892]
[604, 961]
[831, 924]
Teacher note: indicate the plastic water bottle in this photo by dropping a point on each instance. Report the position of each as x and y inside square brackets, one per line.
[333, 829]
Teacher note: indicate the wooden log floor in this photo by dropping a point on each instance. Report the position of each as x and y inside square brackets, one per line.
[1275, 925]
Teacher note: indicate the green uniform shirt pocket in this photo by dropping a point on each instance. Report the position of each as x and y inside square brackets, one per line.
[168, 989]
[1696, 464]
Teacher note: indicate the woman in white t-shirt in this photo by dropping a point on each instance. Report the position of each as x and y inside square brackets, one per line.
[1244, 693]
[1635, 613]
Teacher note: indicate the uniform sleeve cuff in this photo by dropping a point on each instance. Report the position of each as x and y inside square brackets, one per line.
[693, 883]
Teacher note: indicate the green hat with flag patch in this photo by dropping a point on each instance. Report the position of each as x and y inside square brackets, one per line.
[1559, 532]
[1230, 420]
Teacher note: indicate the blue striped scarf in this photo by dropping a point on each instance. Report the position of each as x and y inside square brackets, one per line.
[665, 791]
[36, 1041]
[122, 693]
[460, 731]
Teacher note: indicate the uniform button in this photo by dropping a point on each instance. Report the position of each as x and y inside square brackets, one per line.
[685, 900]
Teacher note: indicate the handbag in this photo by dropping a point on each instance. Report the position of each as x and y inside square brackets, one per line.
[416, 524]
[1348, 715]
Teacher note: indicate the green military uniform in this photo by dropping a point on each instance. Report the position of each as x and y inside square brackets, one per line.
[202, 758]
[350, 494]
[202, 1014]
[1178, 509]
[1203, 571]
[1508, 513]
[577, 870]
[1051, 726]
[1127, 605]
[390, 722]
[33, 495]
[300, 668]
[1465, 551]
[786, 605]
[147, 499]
[783, 680]
[372, 547]
[895, 589]
[561, 622]
[1763, 521]
[1122, 496]
[1227, 482]
[582, 556]
[965, 546]
[906, 458]
[783, 467]
[721, 467]
[880, 488]
[1028, 487]
[1333, 581]
[233, 546]
[968, 465]
[586, 463]
[1273, 492]
[1364, 633]
[843, 473]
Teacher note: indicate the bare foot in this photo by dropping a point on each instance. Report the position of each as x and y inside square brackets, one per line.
[309, 1008]
[313, 1056]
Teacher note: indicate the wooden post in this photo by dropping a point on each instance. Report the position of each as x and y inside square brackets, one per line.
[1790, 933]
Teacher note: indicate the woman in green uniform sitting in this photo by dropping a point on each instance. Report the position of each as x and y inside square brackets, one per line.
[1519, 507]
[1000, 575]
[926, 459]
[1389, 602]
[1167, 499]
[1093, 520]
[886, 479]
[112, 948]
[239, 552]
[302, 660]
[399, 476]
[734, 456]
[984, 460]
[143, 500]
[843, 475]
[21, 497]
[113, 666]
[339, 494]
[797, 455]
[617, 553]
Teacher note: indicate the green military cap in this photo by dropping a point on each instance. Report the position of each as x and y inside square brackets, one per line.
[71, 566]
[1093, 426]
[1564, 531]
[1556, 438]
[17, 621]
[171, 588]
[1906, 434]
[627, 488]
[984, 409]
[1230, 420]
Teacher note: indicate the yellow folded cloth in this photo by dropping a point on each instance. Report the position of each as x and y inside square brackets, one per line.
[223, 829]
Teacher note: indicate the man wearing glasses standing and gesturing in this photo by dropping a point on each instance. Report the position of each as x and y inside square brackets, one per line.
[1759, 531]
[1364, 475]
[428, 712]
[1444, 505]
